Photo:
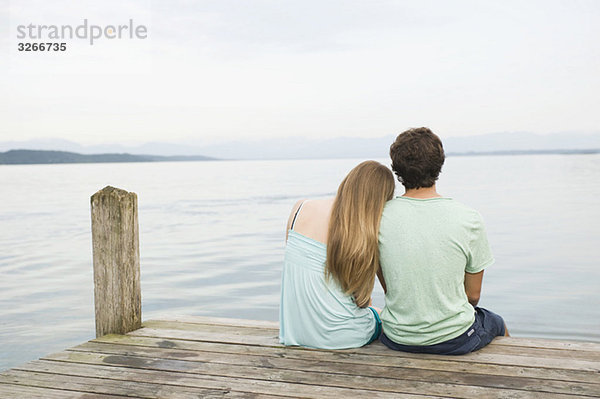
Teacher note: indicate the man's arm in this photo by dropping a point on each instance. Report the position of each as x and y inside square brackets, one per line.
[381, 280]
[473, 286]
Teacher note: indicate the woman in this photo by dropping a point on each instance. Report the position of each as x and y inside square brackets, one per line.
[331, 260]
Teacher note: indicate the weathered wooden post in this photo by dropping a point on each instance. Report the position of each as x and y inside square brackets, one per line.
[115, 241]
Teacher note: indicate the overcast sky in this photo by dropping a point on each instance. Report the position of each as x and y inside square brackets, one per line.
[219, 70]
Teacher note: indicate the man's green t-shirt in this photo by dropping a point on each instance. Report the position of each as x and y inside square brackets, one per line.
[426, 246]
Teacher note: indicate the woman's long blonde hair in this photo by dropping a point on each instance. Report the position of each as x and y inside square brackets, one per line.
[352, 239]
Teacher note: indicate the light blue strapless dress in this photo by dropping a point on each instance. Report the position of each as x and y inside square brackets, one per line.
[314, 312]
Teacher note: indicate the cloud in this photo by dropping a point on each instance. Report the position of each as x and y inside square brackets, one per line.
[233, 69]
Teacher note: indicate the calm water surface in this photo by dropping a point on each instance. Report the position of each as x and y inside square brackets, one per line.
[211, 241]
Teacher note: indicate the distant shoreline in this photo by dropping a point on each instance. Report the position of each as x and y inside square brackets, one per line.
[37, 157]
[43, 157]
[527, 152]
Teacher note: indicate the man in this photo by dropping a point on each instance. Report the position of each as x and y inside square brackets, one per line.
[433, 251]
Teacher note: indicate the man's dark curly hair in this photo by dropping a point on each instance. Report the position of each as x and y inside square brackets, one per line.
[417, 157]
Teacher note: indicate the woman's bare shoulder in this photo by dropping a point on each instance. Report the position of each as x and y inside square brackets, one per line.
[313, 219]
[318, 204]
[317, 210]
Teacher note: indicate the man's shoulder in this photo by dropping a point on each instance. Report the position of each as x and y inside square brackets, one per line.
[465, 212]
[463, 207]
[449, 202]
[400, 205]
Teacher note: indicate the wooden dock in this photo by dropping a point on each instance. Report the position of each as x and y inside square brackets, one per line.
[201, 357]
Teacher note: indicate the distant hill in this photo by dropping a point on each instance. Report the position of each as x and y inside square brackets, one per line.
[14, 157]
[326, 148]
[526, 152]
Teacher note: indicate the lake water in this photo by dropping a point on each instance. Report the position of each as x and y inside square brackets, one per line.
[212, 241]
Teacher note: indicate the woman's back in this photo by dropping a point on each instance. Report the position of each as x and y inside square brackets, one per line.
[314, 311]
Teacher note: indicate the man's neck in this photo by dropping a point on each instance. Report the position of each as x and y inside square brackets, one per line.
[422, 193]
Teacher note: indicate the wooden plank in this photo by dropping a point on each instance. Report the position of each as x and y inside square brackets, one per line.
[294, 376]
[490, 349]
[389, 372]
[447, 363]
[128, 388]
[558, 348]
[565, 354]
[222, 321]
[9, 391]
[505, 341]
[534, 357]
[547, 343]
[237, 330]
[255, 387]
[221, 337]
[510, 341]
[377, 348]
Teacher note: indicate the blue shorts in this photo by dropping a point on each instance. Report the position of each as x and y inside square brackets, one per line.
[486, 327]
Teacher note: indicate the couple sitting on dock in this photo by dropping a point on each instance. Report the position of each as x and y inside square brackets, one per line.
[428, 251]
